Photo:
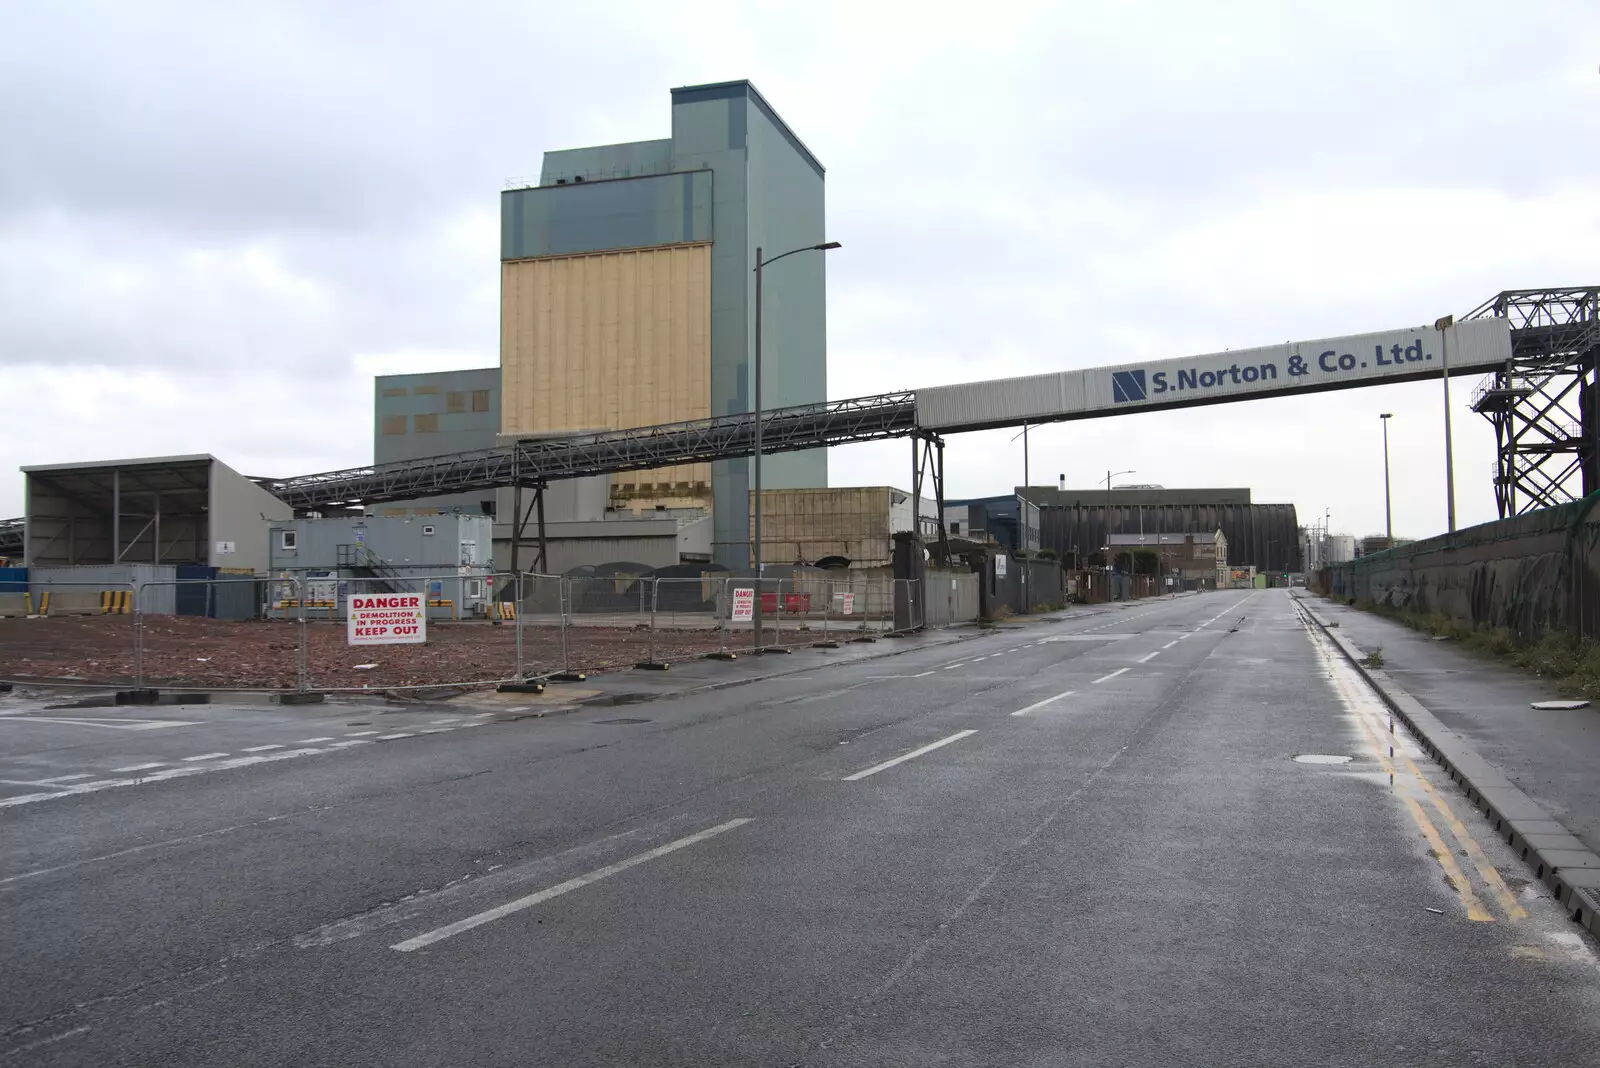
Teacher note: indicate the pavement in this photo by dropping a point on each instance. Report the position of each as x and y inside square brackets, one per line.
[1173, 833]
[1553, 755]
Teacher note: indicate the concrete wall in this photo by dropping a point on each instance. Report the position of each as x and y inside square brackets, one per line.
[1531, 573]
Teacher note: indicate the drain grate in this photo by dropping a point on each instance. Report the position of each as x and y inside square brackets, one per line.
[623, 719]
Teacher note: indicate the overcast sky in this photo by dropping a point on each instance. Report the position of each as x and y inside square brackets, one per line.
[218, 221]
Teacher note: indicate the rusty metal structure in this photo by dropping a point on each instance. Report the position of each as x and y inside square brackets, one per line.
[1542, 404]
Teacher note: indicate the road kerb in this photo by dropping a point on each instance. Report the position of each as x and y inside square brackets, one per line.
[1573, 876]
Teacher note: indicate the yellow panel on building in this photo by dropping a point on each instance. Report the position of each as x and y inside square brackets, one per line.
[607, 341]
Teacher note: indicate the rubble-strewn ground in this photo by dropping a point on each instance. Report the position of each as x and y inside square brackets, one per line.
[193, 651]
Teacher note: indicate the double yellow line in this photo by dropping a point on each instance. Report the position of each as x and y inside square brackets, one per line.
[1354, 701]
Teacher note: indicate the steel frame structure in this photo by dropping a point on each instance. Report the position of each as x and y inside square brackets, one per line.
[530, 462]
[1546, 435]
[11, 531]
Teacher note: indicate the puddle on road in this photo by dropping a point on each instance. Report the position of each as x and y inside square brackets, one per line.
[1322, 758]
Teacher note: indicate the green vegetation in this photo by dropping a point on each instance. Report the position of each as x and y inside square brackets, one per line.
[1572, 664]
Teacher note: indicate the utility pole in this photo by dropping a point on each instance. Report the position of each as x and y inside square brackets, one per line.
[1388, 512]
[1443, 326]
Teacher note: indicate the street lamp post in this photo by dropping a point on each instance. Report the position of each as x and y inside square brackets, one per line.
[1443, 326]
[755, 534]
[1388, 512]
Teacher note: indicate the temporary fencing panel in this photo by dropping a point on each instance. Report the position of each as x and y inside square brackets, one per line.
[459, 648]
[80, 632]
[181, 644]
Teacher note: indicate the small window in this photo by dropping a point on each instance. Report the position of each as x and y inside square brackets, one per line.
[474, 589]
[393, 424]
[424, 391]
[394, 391]
[480, 400]
[425, 424]
[427, 531]
[288, 539]
[455, 400]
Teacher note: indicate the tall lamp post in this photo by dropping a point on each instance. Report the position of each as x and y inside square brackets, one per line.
[755, 534]
[1388, 512]
[1443, 326]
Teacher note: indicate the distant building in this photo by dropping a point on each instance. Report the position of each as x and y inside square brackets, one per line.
[446, 557]
[855, 523]
[1076, 522]
[432, 414]
[1011, 521]
[1189, 557]
[627, 295]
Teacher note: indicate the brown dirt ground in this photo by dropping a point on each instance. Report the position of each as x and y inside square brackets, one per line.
[210, 653]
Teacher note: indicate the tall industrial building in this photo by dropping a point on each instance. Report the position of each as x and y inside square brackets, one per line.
[628, 295]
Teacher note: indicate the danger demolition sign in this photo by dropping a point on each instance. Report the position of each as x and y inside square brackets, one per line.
[744, 603]
[387, 619]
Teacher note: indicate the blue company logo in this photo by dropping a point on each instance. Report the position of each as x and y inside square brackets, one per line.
[1127, 386]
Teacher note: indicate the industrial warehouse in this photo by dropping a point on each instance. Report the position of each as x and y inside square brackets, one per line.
[655, 438]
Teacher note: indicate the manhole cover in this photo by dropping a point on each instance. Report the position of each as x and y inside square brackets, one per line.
[624, 719]
[1322, 758]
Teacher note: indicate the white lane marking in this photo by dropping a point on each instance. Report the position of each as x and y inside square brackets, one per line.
[979, 659]
[65, 778]
[1108, 678]
[392, 737]
[1041, 704]
[435, 730]
[357, 734]
[1148, 657]
[1170, 644]
[314, 741]
[952, 667]
[353, 741]
[1184, 635]
[41, 1043]
[77, 788]
[450, 930]
[902, 758]
[260, 748]
[204, 756]
[141, 767]
[446, 719]
[109, 724]
[953, 663]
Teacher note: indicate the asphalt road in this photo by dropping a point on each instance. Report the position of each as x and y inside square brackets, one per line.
[1076, 843]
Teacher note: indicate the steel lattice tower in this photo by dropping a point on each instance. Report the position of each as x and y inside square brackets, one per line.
[1542, 405]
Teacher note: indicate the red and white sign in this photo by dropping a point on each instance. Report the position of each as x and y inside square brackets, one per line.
[847, 603]
[387, 619]
[744, 604]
